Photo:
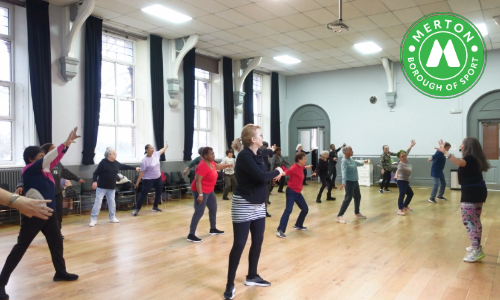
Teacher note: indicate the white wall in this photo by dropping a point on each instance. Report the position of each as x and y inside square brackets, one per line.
[345, 94]
[266, 108]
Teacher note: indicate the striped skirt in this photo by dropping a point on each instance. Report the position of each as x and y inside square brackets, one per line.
[244, 211]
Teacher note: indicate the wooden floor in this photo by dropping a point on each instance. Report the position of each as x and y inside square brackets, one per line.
[386, 256]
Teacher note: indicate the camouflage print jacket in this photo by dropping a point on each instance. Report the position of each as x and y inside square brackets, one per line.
[385, 160]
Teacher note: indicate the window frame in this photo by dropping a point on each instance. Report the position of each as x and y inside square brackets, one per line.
[198, 109]
[10, 84]
[117, 98]
[259, 92]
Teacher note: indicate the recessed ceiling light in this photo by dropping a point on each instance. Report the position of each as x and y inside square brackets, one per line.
[166, 13]
[287, 59]
[482, 28]
[368, 47]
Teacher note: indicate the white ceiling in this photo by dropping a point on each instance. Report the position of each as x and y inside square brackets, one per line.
[248, 28]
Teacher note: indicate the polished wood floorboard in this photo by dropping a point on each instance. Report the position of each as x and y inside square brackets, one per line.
[386, 256]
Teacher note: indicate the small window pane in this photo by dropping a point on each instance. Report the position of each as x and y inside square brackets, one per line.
[204, 119]
[126, 142]
[257, 119]
[203, 99]
[105, 138]
[257, 82]
[107, 114]
[196, 125]
[124, 80]
[116, 48]
[196, 82]
[5, 140]
[5, 101]
[126, 112]
[5, 60]
[4, 20]
[199, 73]
[204, 139]
[257, 105]
[196, 144]
[108, 78]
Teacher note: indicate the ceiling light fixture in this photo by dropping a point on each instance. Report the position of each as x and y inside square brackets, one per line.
[287, 59]
[482, 28]
[338, 25]
[166, 13]
[367, 47]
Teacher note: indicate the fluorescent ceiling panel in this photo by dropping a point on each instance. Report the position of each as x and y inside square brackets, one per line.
[367, 47]
[482, 28]
[166, 13]
[287, 59]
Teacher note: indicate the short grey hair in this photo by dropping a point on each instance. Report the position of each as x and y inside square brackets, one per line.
[108, 152]
[344, 150]
[324, 153]
[299, 145]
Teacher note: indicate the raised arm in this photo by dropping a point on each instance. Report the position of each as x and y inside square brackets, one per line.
[51, 159]
[162, 150]
[457, 161]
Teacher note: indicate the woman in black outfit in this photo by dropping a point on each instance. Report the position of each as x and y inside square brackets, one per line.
[322, 171]
[299, 149]
[332, 163]
[248, 211]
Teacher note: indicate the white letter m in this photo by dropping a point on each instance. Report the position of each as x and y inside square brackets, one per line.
[449, 54]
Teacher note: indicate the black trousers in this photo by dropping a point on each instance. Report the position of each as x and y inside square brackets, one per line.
[305, 177]
[147, 185]
[386, 179]
[241, 230]
[351, 191]
[332, 173]
[30, 227]
[325, 181]
[59, 208]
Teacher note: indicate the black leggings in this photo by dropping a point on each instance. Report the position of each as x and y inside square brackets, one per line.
[59, 208]
[325, 181]
[147, 185]
[241, 230]
[386, 179]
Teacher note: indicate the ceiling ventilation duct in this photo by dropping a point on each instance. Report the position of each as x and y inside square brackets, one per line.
[338, 25]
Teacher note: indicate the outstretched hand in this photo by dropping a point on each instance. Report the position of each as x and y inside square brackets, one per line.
[413, 143]
[72, 137]
[342, 187]
[441, 147]
[309, 167]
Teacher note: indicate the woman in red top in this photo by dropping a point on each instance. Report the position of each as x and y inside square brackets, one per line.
[293, 195]
[203, 193]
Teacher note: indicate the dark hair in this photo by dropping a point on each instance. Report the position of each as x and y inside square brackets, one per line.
[384, 147]
[299, 156]
[229, 151]
[332, 145]
[447, 145]
[199, 150]
[401, 151]
[473, 148]
[265, 144]
[205, 151]
[45, 147]
[277, 149]
[30, 153]
[146, 148]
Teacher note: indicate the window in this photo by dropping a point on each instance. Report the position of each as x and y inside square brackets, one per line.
[202, 110]
[117, 121]
[257, 99]
[6, 83]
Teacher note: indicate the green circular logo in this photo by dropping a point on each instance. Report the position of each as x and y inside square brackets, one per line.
[443, 55]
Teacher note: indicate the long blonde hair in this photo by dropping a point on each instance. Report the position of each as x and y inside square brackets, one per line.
[245, 140]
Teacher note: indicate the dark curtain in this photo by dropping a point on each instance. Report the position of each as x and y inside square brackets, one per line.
[92, 88]
[248, 102]
[275, 110]
[188, 67]
[157, 93]
[227, 77]
[37, 13]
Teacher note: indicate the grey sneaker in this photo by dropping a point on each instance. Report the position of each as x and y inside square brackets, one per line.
[257, 280]
[229, 292]
[431, 200]
[474, 255]
[442, 198]
[280, 234]
[299, 228]
[380, 191]
[469, 249]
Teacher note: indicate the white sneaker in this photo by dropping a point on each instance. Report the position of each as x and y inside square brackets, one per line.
[469, 249]
[340, 220]
[474, 255]
[114, 220]
[92, 223]
[360, 216]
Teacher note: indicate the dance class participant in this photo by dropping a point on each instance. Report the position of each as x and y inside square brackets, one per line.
[229, 180]
[27, 206]
[438, 162]
[151, 177]
[104, 178]
[473, 189]
[332, 163]
[248, 211]
[293, 195]
[297, 150]
[385, 163]
[279, 161]
[39, 184]
[350, 179]
[403, 175]
[322, 171]
[203, 193]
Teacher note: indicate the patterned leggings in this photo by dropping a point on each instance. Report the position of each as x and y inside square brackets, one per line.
[471, 217]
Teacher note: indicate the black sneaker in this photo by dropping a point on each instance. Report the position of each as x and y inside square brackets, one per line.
[135, 212]
[229, 292]
[3, 294]
[268, 215]
[299, 228]
[387, 191]
[380, 191]
[318, 201]
[62, 236]
[193, 238]
[331, 198]
[257, 280]
[65, 277]
[442, 198]
[431, 200]
[225, 198]
[305, 184]
[156, 209]
[268, 202]
[279, 191]
[216, 232]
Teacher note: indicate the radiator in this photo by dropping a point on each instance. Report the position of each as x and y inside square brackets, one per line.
[10, 177]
